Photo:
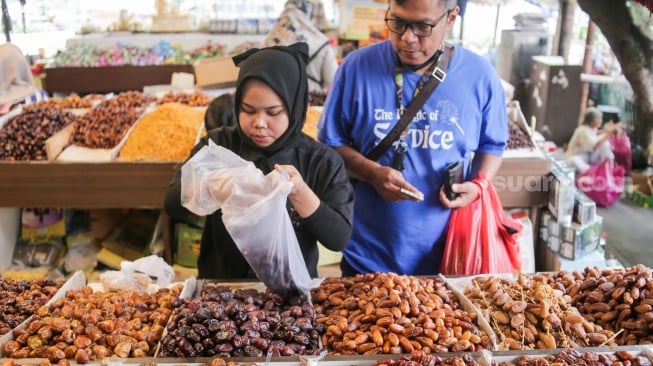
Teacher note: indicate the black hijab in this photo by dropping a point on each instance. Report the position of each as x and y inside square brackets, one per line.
[282, 68]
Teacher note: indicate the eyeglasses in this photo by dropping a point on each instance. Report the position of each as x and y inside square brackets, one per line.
[420, 29]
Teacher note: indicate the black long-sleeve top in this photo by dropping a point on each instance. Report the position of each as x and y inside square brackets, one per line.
[323, 171]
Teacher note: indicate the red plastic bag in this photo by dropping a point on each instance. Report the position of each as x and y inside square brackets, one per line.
[602, 182]
[623, 152]
[481, 237]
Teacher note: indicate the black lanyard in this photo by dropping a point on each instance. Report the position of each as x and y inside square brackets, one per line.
[402, 145]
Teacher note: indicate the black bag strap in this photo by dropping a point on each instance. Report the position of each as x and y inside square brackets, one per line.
[319, 81]
[438, 75]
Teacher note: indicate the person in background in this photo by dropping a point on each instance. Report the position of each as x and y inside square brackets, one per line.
[295, 24]
[464, 119]
[271, 101]
[589, 144]
[17, 85]
[220, 112]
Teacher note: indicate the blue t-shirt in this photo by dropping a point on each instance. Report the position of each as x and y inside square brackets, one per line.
[465, 114]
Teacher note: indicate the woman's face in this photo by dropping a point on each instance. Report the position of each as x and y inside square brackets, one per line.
[262, 114]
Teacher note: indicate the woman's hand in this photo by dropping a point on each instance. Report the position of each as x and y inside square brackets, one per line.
[302, 197]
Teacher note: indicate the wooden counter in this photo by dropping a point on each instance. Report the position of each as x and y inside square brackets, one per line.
[143, 185]
[84, 80]
[84, 185]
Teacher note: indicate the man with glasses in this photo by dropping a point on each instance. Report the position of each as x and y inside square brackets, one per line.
[464, 119]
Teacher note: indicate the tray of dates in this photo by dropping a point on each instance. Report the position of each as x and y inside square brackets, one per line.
[386, 313]
[240, 319]
[86, 325]
[597, 356]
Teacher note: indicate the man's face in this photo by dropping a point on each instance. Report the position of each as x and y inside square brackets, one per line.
[422, 17]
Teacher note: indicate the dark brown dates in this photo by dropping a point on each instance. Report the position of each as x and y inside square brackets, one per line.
[241, 323]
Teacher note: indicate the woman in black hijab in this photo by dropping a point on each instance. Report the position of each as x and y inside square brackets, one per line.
[271, 101]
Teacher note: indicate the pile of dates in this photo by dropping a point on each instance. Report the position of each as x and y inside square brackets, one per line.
[86, 325]
[419, 358]
[620, 300]
[223, 322]
[573, 357]
[518, 138]
[19, 299]
[394, 314]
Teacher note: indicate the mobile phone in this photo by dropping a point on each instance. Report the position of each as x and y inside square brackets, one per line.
[453, 173]
[419, 197]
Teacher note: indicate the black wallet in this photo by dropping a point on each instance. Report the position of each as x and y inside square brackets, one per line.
[453, 173]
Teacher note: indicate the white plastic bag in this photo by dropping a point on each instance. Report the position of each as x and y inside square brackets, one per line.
[136, 275]
[197, 180]
[254, 213]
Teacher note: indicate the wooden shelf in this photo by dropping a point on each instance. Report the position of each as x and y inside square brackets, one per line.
[143, 185]
[84, 185]
[84, 80]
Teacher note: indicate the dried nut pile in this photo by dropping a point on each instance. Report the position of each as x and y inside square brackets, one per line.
[518, 139]
[388, 313]
[86, 325]
[419, 358]
[167, 133]
[243, 322]
[105, 125]
[23, 137]
[19, 299]
[572, 357]
[72, 101]
[620, 300]
[530, 313]
[194, 99]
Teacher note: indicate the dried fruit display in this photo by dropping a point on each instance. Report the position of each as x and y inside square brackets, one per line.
[518, 139]
[23, 136]
[194, 99]
[19, 299]
[419, 358]
[393, 314]
[619, 300]
[529, 313]
[167, 133]
[86, 325]
[573, 357]
[243, 322]
[105, 125]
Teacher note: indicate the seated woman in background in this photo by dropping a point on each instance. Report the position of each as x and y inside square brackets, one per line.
[16, 81]
[589, 144]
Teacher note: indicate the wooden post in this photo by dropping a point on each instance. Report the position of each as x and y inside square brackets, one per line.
[587, 67]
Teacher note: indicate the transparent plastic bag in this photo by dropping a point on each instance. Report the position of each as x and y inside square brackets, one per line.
[254, 213]
[209, 174]
[136, 275]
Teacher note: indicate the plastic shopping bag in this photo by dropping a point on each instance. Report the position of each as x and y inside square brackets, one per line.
[602, 182]
[481, 237]
[136, 275]
[254, 213]
[203, 191]
[622, 149]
